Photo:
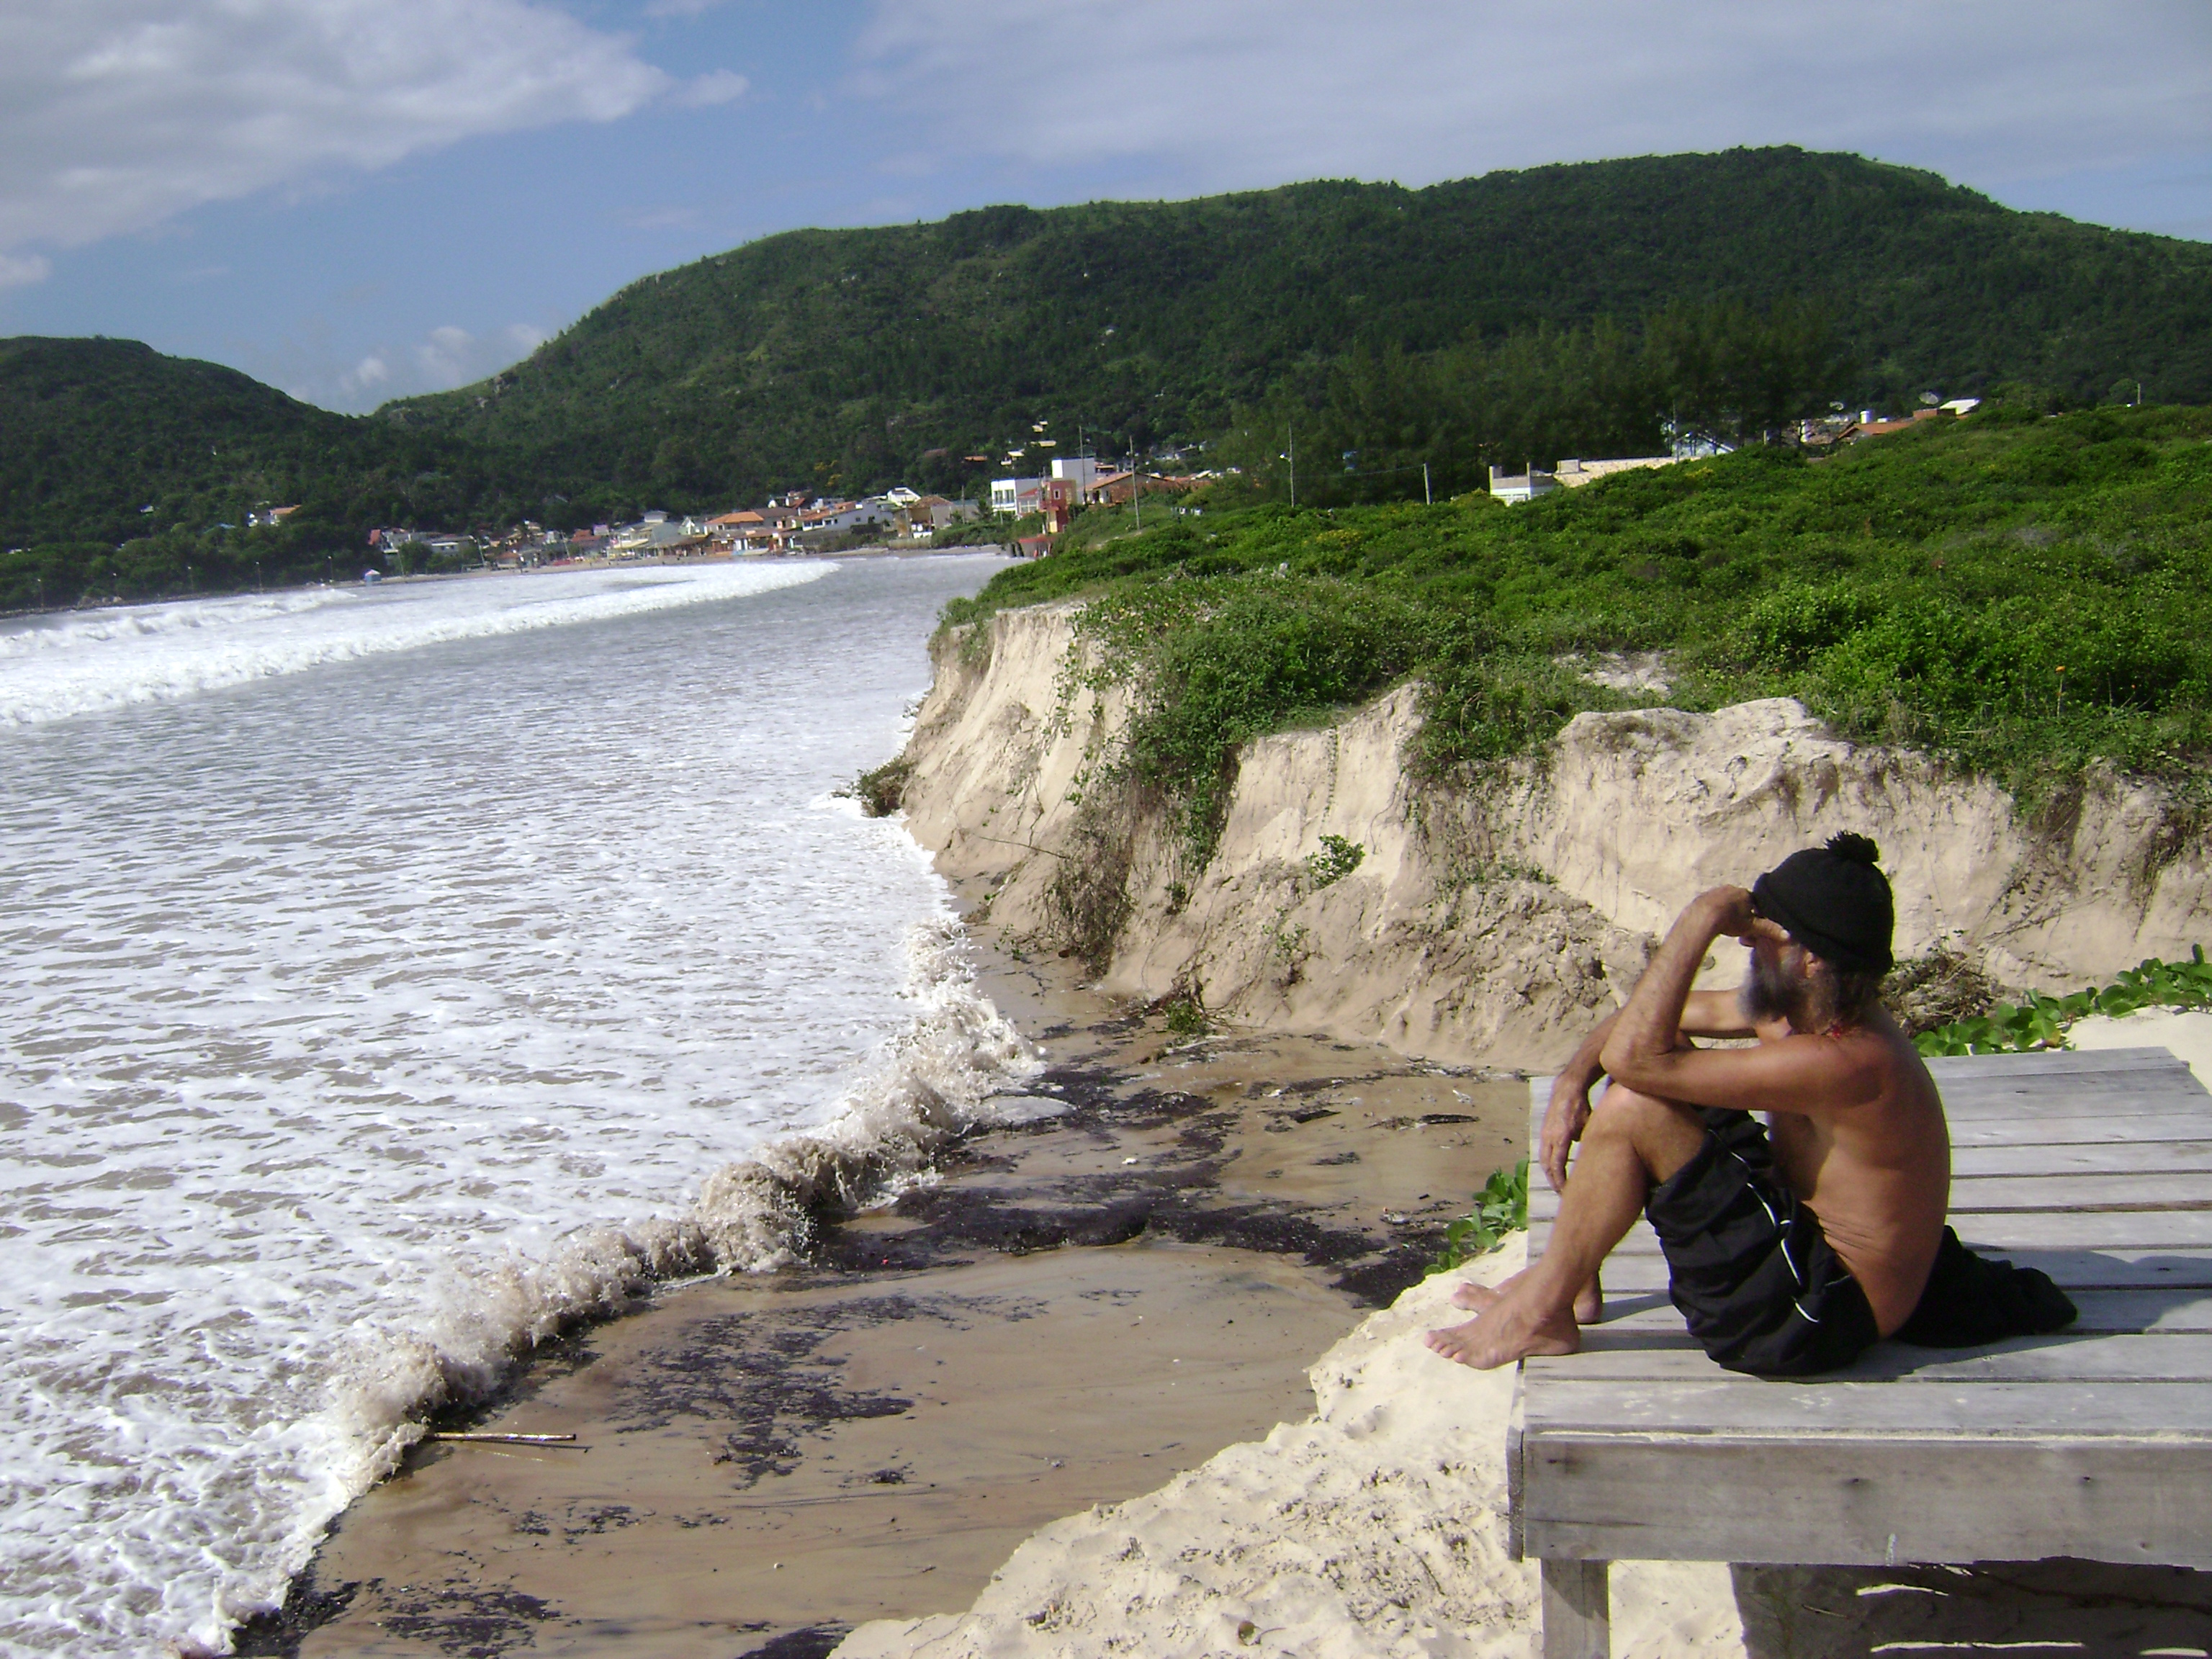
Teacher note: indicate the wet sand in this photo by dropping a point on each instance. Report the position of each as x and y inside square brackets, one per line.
[1079, 1308]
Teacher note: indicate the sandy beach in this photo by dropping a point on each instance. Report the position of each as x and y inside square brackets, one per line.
[1073, 1313]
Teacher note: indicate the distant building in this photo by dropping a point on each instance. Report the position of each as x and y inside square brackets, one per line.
[1081, 471]
[268, 518]
[1573, 475]
[1057, 499]
[1015, 496]
[1514, 487]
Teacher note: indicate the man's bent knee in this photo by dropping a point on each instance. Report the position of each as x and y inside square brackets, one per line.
[1623, 1108]
[1666, 1133]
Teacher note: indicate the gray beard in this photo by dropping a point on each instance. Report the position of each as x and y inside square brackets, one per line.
[1771, 992]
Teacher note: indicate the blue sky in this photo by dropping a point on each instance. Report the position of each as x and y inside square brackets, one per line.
[358, 199]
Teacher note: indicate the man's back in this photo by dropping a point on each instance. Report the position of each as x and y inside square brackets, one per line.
[1878, 1174]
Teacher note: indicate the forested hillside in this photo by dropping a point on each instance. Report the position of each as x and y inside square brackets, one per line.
[1514, 317]
[848, 357]
[125, 472]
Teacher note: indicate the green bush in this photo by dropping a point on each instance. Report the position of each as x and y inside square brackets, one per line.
[1337, 859]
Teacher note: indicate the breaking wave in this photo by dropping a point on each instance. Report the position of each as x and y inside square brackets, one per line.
[957, 1067]
[89, 663]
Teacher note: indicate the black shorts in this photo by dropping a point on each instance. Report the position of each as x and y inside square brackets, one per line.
[1749, 1265]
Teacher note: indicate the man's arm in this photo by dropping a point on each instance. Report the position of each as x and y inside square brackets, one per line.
[1705, 1013]
[1800, 1074]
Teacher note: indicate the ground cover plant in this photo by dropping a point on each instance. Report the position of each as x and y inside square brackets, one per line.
[2040, 1022]
[1501, 1209]
[2025, 595]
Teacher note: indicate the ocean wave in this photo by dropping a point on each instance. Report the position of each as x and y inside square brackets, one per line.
[957, 1067]
[92, 663]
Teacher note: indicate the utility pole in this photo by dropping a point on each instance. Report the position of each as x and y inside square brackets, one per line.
[1427, 499]
[1136, 491]
[1292, 428]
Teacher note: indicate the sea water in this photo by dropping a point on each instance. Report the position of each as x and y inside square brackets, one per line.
[391, 974]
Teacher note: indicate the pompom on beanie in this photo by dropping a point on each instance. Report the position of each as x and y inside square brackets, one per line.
[1833, 901]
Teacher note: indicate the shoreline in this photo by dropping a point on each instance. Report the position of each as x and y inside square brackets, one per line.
[565, 567]
[940, 1414]
[1285, 1185]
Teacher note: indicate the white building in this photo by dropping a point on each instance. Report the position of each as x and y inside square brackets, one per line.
[1511, 487]
[1572, 475]
[1016, 496]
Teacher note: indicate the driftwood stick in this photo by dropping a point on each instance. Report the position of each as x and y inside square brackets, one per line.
[507, 1439]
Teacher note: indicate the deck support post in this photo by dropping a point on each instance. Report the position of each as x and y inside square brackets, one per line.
[1578, 1610]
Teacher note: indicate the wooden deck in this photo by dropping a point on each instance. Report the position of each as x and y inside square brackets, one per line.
[2095, 1442]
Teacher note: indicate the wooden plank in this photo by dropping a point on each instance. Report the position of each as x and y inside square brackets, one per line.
[2104, 1083]
[1634, 1275]
[2086, 1130]
[2105, 1156]
[2008, 1232]
[2063, 1358]
[2025, 1131]
[2072, 1193]
[1723, 1403]
[2136, 1091]
[2100, 1311]
[1578, 1610]
[1870, 1501]
[2154, 1189]
[2120, 1105]
[2191, 1128]
[2048, 1063]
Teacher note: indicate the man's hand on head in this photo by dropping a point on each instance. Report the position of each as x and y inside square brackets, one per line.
[1732, 914]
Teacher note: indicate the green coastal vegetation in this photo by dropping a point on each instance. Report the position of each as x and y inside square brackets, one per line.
[2024, 595]
[1585, 309]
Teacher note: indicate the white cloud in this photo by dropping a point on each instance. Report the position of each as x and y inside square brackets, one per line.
[370, 371]
[717, 87]
[21, 272]
[115, 115]
[1237, 93]
[445, 356]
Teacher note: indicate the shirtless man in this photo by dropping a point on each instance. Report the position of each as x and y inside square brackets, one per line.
[1788, 1256]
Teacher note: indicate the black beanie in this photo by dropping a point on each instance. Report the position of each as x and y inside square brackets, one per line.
[1833, 902]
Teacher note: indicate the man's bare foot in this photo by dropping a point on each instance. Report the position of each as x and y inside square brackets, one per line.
[1590, 1300]
[1506, 1333]
[1477, 1297]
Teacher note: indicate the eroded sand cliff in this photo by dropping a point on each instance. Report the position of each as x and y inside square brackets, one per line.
[1494, 925]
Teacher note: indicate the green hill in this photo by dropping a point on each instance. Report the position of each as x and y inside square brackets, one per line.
[846, 358]
[850, 360]
[127, 472]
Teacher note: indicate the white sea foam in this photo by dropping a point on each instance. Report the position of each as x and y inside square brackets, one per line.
[77, 664]
[360, 1026]
[947, 1072]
